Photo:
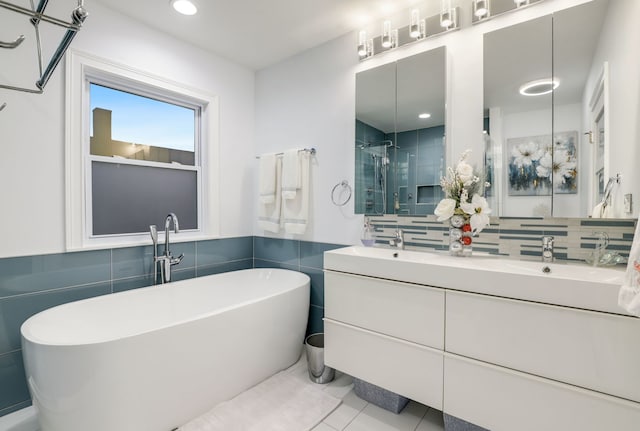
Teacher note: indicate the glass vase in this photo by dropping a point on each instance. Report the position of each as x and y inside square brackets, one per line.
[460, 236]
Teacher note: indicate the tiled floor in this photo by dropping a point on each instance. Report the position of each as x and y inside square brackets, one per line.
[353, 414]
[356, 414]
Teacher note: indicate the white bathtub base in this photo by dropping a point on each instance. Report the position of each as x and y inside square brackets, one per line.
[22, 420]
[161, 379]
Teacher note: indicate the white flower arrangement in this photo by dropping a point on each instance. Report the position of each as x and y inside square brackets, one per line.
[463, 190]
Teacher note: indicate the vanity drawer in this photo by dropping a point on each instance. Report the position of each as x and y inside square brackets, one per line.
[499, 399]
[408, 369]
[593, 350]
[408, 311]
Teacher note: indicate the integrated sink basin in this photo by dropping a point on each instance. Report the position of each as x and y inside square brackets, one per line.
[573, 285]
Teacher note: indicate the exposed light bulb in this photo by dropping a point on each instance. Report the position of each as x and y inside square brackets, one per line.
[481, 8]
[414, 26]
[362, 44]
[446, 20]
[185, 7]
[386, 34]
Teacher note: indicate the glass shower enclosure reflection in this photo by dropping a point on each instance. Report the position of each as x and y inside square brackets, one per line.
[372, 169]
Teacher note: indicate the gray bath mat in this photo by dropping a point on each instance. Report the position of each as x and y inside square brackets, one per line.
[280, 403]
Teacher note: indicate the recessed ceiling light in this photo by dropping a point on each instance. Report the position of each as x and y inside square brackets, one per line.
[424, 115]
[185, 7]
[539, 87]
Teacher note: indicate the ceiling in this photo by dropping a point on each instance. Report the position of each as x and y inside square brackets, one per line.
[259, 33]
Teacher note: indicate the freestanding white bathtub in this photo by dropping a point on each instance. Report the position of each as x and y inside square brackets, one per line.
[154, 358]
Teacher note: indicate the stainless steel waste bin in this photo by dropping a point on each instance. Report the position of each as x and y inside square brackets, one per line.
[318, 372]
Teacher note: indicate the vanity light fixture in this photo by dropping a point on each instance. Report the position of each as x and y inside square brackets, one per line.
[424, 115]
[539, 87]
[417, 26]
[185, 7]
[386, 34]
[362, 44]
[417, 29]
[481, 8]
[447, 18]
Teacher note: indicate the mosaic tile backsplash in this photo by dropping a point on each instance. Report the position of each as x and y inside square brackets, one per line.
[518, 238]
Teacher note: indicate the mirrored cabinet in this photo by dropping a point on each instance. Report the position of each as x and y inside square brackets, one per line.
[552, 109]
[400, 135]
[560, 114]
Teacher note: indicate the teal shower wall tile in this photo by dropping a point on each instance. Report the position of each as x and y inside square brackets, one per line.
[224, 267]
[132, 262]
[31, 274]
[224, 250]
[315, 323]
[262, 263]
[132, 283]
[15, 310]
[278, 250]
[13, 389]
[312, 253]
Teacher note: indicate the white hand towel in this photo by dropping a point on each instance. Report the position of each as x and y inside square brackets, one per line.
[291, 173]
[269, 214]
[267, 178]
[629, 295]
[296, 211]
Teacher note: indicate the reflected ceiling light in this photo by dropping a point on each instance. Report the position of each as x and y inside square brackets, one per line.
[185, 7]
[521, 2]
[481, 8]
[539, 87]
[446, 14]
[424, 115]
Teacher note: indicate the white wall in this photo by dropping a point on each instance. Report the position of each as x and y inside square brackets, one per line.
[32, 131]
[624, 79]
[309, 100]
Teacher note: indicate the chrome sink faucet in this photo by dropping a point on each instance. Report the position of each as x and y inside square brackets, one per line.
[398, 240]
[166, 261]
[547, 249]
[600, 246]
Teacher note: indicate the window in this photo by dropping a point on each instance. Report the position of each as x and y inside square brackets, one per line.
[138, 148]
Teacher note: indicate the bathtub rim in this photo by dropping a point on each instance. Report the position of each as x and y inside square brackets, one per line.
[28, 336]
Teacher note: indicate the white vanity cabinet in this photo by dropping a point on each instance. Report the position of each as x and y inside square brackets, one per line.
[387, 333]
[502, 363]
[519, 365]
[592, 350]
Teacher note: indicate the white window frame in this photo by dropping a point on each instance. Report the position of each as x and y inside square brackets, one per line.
[83, 69]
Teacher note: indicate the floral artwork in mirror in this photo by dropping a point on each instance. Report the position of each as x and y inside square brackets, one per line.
[535, 166]
[564, 164]
[526, 162]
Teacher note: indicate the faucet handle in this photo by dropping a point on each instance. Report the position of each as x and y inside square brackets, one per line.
[603, 239]
[177, 260]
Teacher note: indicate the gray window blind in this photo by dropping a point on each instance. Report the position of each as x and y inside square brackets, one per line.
[129, 198]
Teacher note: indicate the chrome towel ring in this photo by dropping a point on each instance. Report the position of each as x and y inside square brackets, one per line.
[344, 187]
